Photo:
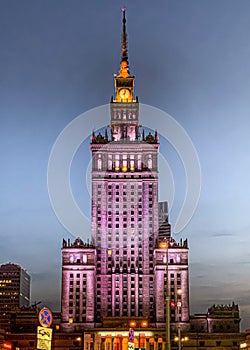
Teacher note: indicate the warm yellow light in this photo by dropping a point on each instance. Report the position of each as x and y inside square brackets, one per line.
[243, 345]
[176, 338]
[78, 338]
[179, 291]
[163, 244]
[132, 323]
[109, 252]
[57, 327]
[71, 320]
[144, 323]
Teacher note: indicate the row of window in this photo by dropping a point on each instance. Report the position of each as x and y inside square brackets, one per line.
[84, 275]
[123, 162]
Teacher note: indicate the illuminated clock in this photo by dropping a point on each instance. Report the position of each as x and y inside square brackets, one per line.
[124, 93]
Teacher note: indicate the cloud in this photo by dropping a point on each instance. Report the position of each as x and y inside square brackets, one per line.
[222, 234]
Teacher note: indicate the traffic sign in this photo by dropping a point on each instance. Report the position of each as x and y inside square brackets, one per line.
[45, 317]
[131, 346]
[131, 335]
[44, 337]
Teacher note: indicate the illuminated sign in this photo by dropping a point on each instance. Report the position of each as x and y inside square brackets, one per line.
[6, 345]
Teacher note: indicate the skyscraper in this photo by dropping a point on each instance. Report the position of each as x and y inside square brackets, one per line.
[14, 291]
[123, 272]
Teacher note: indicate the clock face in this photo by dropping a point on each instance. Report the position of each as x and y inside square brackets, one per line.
[124, 93]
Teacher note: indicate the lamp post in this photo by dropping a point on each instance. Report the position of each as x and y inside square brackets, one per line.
[179, 326]
[168, 344]
[178, 315]
[164, 244]
[180, 341]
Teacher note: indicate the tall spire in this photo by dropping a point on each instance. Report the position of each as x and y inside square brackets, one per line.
[124, 37]
[124, 68]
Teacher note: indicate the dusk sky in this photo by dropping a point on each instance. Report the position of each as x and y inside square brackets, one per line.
[191, 59]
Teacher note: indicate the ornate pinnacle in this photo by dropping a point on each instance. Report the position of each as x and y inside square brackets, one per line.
[124, 38]
[124, 69]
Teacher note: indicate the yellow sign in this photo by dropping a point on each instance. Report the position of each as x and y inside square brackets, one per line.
[44, 337]
[131, 346]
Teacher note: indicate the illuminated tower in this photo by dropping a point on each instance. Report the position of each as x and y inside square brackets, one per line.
[123, 270]
[124, 204]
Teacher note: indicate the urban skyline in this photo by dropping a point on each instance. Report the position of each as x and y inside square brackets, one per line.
[30, 130]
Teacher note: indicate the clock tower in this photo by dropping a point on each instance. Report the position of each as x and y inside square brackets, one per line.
[124, 108]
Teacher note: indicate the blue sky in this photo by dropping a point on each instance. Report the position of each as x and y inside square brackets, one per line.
[191, 59]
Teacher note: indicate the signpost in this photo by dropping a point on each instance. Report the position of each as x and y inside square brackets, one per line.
[44, 333]
[131, 337]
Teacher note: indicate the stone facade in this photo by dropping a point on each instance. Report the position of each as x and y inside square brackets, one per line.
[218, 319]
[125, 268]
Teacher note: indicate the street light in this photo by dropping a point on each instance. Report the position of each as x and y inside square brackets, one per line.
[179, 291]
[164, 244]
[180, 340]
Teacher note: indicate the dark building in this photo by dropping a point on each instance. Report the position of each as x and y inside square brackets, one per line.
[14, 291]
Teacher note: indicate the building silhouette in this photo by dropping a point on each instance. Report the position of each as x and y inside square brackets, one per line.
[14, 291]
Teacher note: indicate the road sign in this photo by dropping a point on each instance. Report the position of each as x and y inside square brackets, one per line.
[45, 317]
[131, 346]
[44, 337]
[131, 335]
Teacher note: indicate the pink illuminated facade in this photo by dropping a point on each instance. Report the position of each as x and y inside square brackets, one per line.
[122, 273]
